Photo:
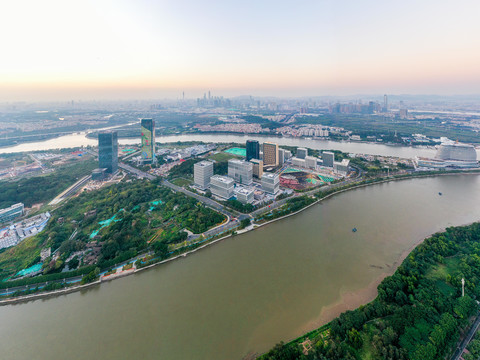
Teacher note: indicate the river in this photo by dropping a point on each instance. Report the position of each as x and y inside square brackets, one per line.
[249, 292]
[80, 139]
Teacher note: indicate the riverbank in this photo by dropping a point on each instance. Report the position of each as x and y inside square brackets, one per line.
[252, 227]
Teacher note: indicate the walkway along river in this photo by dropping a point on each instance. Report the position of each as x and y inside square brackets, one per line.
[246, 294]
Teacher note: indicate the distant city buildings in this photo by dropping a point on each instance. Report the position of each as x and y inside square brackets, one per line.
[11, 213]
[108, 151]
[148, 140]
[202, 173]
[253, 150]
[222, 186]
[241, 171]
[270, 154]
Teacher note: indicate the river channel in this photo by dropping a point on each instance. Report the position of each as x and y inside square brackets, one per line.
[249, 292]
[79, 139]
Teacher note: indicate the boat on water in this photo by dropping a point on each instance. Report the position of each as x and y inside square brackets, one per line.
[354, 230]
[440, 194]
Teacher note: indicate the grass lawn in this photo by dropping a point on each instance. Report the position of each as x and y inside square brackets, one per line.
[19, 257]
[222, 156]
[182, 182]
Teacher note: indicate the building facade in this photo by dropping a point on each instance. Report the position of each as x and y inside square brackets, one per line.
[148, 140]
[11, 213]
[240, 171]
[270, 154]
[253, 149]
[328, 159]
[202, 172]
[257, 168]
[108, 151]
[270, 183]
[302, 153]
[222, 186]
[311, 162]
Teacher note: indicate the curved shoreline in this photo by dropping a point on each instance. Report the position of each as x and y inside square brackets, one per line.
[27, 298]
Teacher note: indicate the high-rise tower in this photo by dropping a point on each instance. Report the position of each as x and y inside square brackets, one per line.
[108, 151]
[148, 140]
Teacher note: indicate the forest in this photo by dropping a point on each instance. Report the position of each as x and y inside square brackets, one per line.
[43, 188]
[419, 312]
[123, 219]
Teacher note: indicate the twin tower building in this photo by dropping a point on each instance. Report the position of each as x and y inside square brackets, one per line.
[108, 147]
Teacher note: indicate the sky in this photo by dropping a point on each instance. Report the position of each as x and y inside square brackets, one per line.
[119, 49]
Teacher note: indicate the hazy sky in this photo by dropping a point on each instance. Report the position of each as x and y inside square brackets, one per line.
[150, 49]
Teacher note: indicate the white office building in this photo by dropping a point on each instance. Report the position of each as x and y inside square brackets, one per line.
[244, 195]
[222, 186]
[311, 162]
[202, 172]
[241, 171]
[270, 183]
[287, 154]
[341, 167]
[298, 162]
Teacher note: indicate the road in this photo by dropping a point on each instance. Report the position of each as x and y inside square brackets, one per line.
[467, 339]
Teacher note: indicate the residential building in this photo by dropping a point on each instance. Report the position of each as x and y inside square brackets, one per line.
[12, 212]
[244, 195]
[270, 183]
[202, 172]
[302, 153]
[148, 140]
[108, 151]
[328, 159]
[253, 150]
[241, 171]
[222, 186]
[270, 154]
[257, 168]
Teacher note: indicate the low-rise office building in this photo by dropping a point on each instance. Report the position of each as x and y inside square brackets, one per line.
[244, 195]
[202, 172]
[222, 186]
[11, 213]
[241, 171]
[311, 162]
[302, 153]
[298, 162]
[270, 183]
[342, 167]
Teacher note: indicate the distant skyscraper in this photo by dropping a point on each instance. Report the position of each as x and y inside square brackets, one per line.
[385, 103]
[148, 140]
[108, 151]
[270, 154]
[253, 150]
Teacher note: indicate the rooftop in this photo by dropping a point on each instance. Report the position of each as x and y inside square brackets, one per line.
[223, 179]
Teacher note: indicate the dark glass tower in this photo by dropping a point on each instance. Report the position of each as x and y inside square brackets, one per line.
[253, 150]
[108, 151]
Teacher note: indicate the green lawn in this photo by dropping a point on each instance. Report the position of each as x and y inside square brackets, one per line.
[182, 182]
[222, 156]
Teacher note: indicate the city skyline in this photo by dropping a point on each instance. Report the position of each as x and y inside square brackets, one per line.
[149, 49]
